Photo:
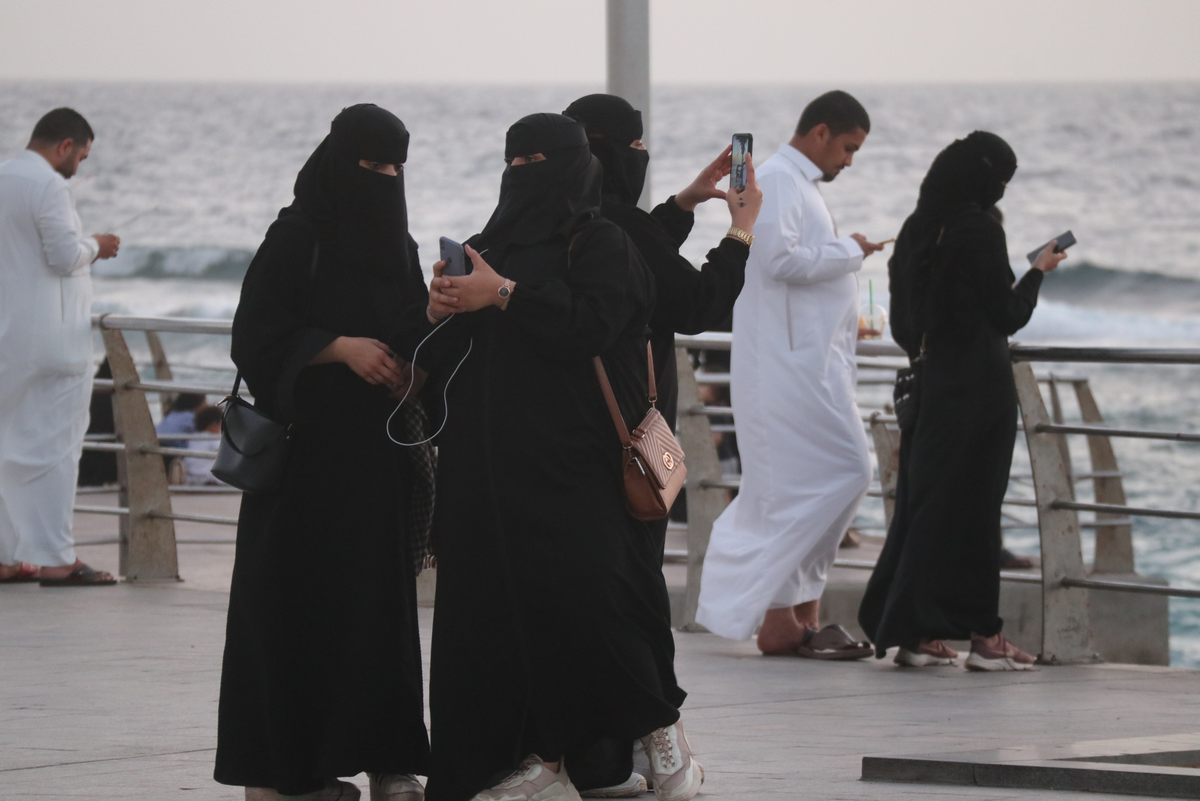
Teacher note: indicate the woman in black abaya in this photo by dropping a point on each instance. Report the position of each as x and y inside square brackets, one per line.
[322, 669]
[954, 298]
[546, 636]
[687, 300]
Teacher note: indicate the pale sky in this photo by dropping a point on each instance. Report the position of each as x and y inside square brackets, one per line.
[562, 41]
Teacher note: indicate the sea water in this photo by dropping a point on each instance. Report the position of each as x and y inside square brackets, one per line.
[191, 175]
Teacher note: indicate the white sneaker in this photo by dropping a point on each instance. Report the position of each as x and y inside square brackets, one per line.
[632, 787]
[533, 781]
[395, 787]
[676, 776]
[1001, 655]
[334, 790]
[641, 763]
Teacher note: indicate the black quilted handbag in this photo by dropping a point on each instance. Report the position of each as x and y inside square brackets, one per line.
[254, 448]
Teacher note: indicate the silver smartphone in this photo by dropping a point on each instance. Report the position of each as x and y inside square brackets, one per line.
[455, 257]
[743, 143]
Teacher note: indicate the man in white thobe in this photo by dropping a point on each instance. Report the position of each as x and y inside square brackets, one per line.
[45, 352]
[805, 463]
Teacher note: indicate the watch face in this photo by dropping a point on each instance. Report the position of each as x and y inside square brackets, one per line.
[503, 292]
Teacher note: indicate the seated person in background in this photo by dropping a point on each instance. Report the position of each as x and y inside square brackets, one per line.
[181, 419]
[199, 468]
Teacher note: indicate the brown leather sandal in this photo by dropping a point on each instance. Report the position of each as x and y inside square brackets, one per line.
[832, 642]
[81, 576]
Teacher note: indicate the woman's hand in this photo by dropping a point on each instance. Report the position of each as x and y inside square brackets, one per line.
[745, 205]
[441, 305]
[705, 186]
[468, 293]
[370, 359]
[412, 379]
[1047, 260]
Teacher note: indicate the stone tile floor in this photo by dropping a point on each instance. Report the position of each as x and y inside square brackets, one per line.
[112, 694]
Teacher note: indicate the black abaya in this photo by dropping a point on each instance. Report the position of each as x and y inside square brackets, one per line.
[546, 636]
[938, 577]
[322, 667]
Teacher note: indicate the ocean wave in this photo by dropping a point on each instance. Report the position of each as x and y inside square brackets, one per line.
[1089, 285]
[203, 263]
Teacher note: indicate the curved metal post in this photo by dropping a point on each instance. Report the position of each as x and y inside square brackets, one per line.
[149, 552]
[704, 504]
[1066, 625]
[162, 369]
[1114, 544]
[1064, 448]
[887, 454]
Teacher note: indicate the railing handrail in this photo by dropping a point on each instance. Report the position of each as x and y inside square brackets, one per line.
[170, 325]
[1029, 353]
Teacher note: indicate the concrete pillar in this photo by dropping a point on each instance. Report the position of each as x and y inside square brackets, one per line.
[629, 63]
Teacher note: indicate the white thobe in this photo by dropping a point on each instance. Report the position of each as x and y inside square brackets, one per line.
[805, 462]
[45, 359]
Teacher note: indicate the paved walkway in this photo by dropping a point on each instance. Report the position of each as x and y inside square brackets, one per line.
[111, 694]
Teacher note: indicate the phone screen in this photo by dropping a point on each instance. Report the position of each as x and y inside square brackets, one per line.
[743, 143]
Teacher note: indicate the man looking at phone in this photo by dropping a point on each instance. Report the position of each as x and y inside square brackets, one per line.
[805, 463]
[45, 352]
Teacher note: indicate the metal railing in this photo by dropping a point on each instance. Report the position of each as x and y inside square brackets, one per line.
[147, 532]
[1066, 630]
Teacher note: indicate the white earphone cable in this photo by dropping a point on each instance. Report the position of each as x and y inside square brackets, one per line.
[445, 390]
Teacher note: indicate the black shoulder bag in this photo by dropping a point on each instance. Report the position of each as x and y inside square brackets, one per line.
[254, 448]
[906, 395]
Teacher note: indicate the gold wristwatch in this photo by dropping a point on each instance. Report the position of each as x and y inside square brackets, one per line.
[737, 233]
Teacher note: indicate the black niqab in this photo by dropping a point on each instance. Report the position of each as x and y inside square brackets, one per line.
[612, 125]
[541, 199]
[361, 220]
[968, 176]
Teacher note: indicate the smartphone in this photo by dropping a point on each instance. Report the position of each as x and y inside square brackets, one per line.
[743, 144]
[455, 257]
[1061, 243]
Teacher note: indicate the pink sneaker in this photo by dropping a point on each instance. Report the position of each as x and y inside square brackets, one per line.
[676, 775]
[997, 654]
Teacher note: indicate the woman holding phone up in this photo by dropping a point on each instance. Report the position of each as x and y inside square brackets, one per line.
[546, 635]
[687, 300]
[955, 302]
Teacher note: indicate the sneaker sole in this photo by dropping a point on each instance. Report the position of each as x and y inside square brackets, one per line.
[631, 789]
[918, 660]
[981, 664]
[685, 791]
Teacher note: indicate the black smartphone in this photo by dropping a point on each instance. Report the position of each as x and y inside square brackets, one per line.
[455, 257]
[1061, 243]
[743, 144]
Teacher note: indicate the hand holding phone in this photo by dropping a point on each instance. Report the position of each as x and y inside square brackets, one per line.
[455, 257]
[1060, 242]
[743, 144]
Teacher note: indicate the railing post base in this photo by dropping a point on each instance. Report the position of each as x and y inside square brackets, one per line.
[1066, 625]
[149, 553]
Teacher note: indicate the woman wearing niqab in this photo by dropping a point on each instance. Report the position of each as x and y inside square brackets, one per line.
[546, 635]
[322, 668]
[687, 300]
[955, 299]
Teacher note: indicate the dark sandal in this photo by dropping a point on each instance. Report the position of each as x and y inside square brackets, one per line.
[832, 642]
[81, 576]
[26, 574]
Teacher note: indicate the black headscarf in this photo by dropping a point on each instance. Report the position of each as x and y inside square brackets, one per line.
[968, 176]
[363, 210]
[545, 198]
[612, 125]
